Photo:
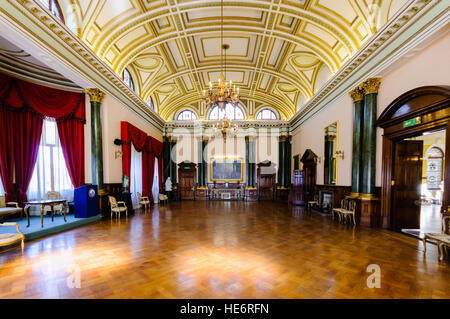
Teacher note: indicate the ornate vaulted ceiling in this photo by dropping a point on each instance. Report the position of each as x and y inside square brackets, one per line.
[281, 51]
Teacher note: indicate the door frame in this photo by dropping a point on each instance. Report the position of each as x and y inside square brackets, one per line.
[431, 106]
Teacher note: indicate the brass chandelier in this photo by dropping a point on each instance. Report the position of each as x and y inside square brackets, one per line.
[225, 92]
[226, 127]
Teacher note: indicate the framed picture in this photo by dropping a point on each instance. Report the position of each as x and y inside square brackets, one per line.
[227, 169]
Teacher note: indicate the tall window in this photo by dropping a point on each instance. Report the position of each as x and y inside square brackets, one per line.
[155, 187]
[233, 112]
[266, 114]
[186, 115]
[2, 190]
[126, 76]
[50, 172]
[53, 7]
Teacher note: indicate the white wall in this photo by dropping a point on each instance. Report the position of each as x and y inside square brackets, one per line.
[112, 114]
[429, 67]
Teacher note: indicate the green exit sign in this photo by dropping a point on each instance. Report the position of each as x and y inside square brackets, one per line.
[412, 122]
[187, 167]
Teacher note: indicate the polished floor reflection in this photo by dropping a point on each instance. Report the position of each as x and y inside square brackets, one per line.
[222, 250]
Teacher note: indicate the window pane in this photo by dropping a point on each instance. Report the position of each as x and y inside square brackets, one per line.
[50, 132]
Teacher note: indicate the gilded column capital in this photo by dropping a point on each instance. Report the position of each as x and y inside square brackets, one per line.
[371, 86]
[95, 94]
[357, 94]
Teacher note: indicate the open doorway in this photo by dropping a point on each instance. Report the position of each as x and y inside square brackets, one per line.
[418, 183]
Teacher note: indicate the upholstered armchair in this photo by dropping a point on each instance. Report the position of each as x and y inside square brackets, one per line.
[143, 200]
[9, 207]
[442, 239]
[117, 207]
[163, 198]
[11, 238]
[56, 208]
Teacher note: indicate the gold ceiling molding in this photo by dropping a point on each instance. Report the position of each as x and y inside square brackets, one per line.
[158, 36]
[381, 44]
[31, 19]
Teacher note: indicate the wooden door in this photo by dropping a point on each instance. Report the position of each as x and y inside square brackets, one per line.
[187, 183]
[407, 185]
[298, 188]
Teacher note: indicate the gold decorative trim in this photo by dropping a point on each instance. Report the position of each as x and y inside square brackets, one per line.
[371, 86]
[364, 196]
[357, 94]
[95, 95]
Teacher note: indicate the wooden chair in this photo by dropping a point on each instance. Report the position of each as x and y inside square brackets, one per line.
[117, 207]
[163, 198]
[349, 212]
[442, 239]
[11, 238]
[339, 210]
[143, 200]
[56, 208]
[311, 203]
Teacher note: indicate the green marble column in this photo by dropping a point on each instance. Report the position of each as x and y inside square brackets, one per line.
[288, 162]
[282, 154]
[173, 162]
[358, 109]
[166, 158]
[96, 97]
[369, 137]
[250, 160]
[199, 162]
[205, 162]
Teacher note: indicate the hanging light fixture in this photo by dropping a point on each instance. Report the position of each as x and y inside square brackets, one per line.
[225, 92]
[225, 127]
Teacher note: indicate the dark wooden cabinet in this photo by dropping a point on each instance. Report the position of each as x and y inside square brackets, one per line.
[298, 188]
[309, 160]
[266, 177]
[187, 175]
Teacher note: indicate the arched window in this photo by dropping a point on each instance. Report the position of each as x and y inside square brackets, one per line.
[126, 76]
[186, 115]
[153, 106]
[266, 114]
[53, 7]
[233, 112]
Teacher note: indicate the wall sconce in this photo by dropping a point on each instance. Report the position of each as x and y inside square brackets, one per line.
[339, 153]
[118, 153]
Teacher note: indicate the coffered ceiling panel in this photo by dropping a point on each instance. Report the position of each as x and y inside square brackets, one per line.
[281, 51]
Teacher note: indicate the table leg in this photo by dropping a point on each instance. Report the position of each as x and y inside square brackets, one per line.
[27, 213]
[42, 215]
[65, 210]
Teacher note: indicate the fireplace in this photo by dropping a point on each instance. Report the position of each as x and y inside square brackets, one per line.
[326, 202]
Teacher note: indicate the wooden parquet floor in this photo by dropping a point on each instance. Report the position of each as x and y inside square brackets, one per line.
[223, 250]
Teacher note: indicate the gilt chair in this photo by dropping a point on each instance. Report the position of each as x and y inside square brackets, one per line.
[117, 207]
[163, 198]
[338, 211]
[442, 239]
[143, 200]
[349, 212]
[8, 208]
[11, 238]
[56, 208]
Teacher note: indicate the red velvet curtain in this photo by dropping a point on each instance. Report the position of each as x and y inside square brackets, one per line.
[131, 134]
[151, 148]
[23, 107]
[28, 131]
[71, 135]
[6, 160]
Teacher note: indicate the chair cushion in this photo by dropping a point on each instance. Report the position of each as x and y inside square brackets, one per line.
[119, 209]
[145, 202]
[9, 210]
[6, 239]
[438, 236]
